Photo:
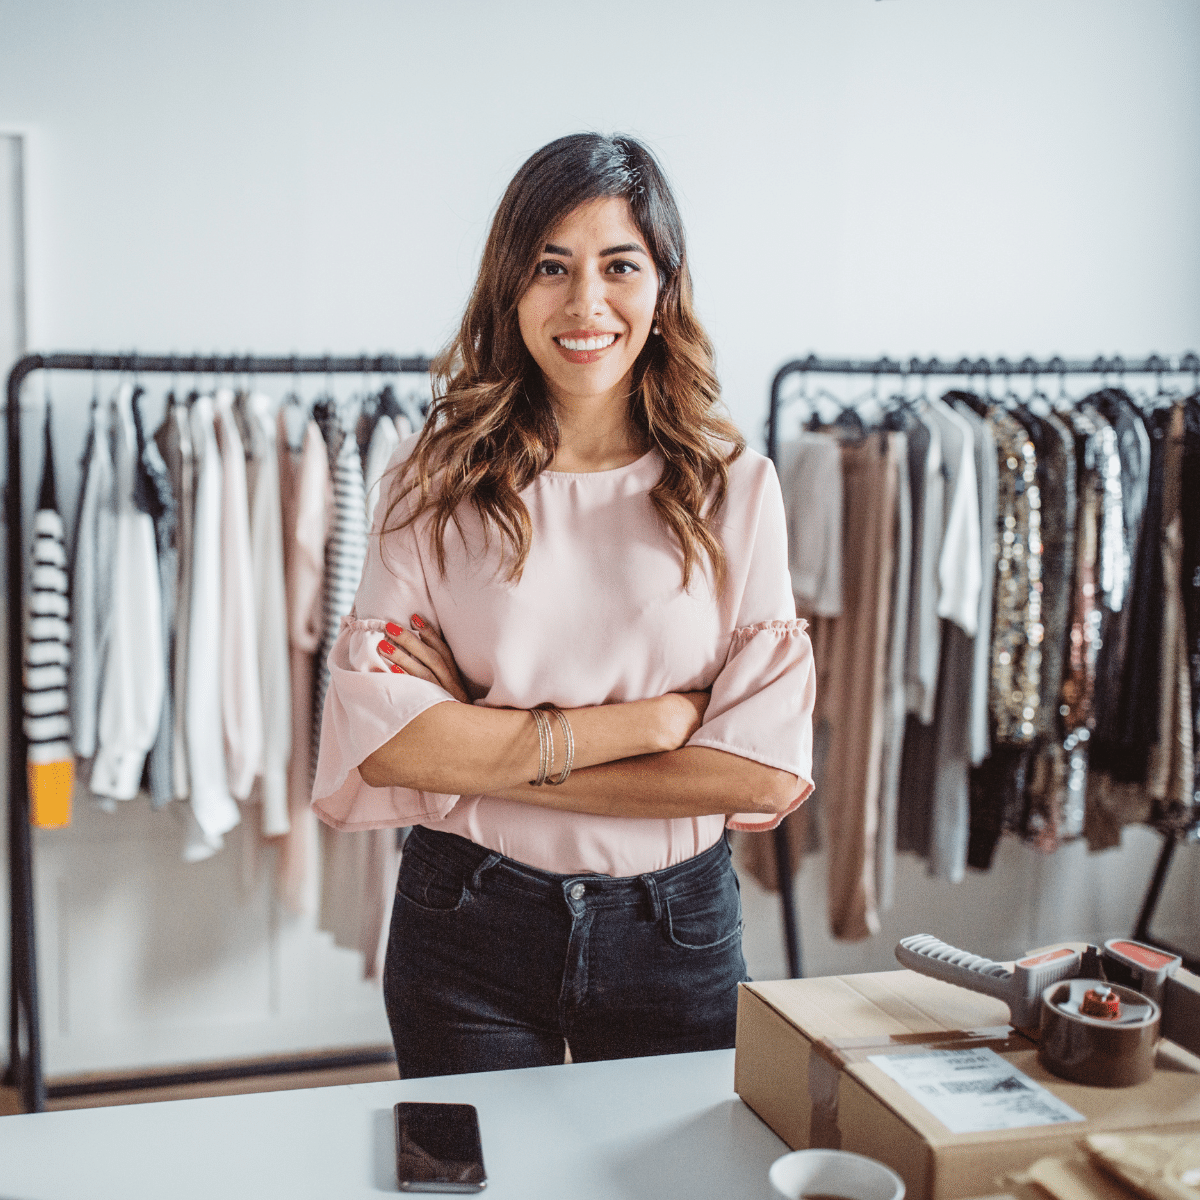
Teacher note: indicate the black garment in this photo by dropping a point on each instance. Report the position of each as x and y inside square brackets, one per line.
[153, 494]
[1112, 711]
[1058, 497]
[1121, 748]
[998, 790]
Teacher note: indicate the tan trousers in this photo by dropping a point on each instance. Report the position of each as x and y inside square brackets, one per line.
[852, 700]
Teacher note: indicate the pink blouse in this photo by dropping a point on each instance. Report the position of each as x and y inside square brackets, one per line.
[599, 616]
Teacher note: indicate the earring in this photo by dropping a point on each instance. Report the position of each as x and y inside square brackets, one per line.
[655, 329]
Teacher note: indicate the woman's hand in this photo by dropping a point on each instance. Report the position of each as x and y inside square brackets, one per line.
[421, 652]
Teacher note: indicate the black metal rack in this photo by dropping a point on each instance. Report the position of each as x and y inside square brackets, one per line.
[25, 1067]
[984, 368]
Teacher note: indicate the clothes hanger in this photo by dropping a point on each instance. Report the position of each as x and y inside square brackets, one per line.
[981, 405]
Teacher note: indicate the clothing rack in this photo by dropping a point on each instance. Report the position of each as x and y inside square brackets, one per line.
[985, 368]
[25, 1068]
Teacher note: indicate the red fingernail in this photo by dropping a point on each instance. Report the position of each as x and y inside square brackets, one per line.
[418, 622]
[396, 669]
[384, 647]
[394, 630]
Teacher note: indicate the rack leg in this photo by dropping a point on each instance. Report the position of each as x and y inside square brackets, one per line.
[791, 931]
[1141, 931]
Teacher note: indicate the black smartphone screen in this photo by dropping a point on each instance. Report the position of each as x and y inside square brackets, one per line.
[438, 1148]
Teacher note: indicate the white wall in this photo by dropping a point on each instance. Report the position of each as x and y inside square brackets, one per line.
[918, 176]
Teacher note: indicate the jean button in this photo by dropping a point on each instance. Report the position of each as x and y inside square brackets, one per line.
[577, 891]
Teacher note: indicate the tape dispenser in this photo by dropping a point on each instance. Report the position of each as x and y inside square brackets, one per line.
[1097, 1014]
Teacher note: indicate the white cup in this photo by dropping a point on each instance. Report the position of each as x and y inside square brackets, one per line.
[833, 1173]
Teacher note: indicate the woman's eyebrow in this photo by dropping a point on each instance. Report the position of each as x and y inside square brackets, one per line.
[624, 248]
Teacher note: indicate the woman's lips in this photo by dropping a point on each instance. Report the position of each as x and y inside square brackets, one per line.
[577, 351]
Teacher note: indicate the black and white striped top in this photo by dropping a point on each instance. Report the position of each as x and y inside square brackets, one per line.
[48, 646]
[346, 549]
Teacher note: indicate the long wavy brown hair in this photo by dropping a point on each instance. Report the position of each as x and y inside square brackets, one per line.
[491, 429]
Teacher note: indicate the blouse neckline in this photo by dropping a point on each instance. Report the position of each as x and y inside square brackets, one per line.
[609, 473]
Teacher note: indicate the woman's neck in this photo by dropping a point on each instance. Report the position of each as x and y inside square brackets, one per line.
[595, 434]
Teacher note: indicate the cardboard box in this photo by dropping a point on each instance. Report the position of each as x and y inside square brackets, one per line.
[801, 1065]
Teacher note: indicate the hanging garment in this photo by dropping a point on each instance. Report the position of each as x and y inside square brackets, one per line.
[893, 688]
[358, 868]
[307, 501]
[134, 676]
[50, 765]
[153, 495]
[1122, 748]
[810, 476]
[174, 441]
[346, 549]
[1189, 507]
[241, 693]
[932, 807]
[358, 880]
[212, 806]
[997, 785]
[1116, 793]
[1056, 806]
[928, 517]
[1044, 822]
[1079, 667]
[1133, 450]
[270, 599]
[91, 581]
[959, 562]
[1171, 767]
[384, 442]
[962, 559]
[1018, 630]
[854, 701]
[988, 483]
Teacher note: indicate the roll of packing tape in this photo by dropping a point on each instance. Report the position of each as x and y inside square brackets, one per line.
[1109, 1050]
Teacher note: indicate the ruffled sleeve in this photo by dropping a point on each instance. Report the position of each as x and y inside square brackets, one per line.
[762, 699]
[761, 707]
[366, 705]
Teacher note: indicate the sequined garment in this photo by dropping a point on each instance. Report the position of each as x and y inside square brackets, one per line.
[1058, 785]
[1018, 630]
[1079, 678]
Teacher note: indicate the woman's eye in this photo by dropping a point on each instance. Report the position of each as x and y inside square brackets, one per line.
[550, 267]
[623, 267]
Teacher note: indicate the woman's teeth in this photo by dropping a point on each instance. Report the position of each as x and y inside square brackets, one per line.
[592, 343]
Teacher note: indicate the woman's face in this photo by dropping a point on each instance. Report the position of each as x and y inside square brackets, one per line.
[588, 310]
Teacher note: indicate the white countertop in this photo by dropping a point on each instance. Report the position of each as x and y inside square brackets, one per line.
[660, 1128]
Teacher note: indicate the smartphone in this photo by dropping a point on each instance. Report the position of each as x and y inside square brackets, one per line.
[438, 1148]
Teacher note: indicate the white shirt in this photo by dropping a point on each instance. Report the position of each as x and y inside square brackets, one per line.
[213, 807]
[131, 699]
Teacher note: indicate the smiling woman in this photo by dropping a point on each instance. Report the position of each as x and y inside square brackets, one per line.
[578, 578]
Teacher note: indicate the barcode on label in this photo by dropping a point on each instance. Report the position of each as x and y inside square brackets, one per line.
[979, 1087]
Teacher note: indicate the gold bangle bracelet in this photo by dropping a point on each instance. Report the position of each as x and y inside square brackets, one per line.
[569, 746]
[543, 730]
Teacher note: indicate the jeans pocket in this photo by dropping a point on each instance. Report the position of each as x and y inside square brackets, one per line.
[431, 886]
[706, 915]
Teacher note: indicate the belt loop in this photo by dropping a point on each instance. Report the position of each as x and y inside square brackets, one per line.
[653, 895]
[490, 861]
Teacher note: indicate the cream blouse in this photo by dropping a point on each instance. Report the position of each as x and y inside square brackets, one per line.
[599, 616]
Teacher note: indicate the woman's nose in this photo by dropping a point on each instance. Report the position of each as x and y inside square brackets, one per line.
[587, 296]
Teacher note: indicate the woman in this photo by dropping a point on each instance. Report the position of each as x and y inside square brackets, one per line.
[574, 650]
